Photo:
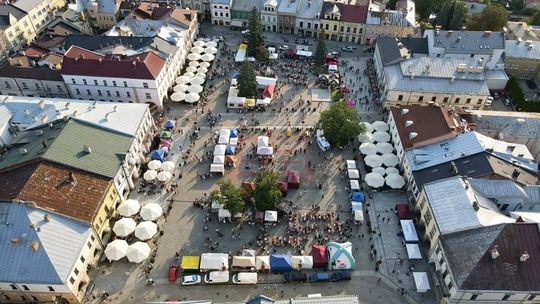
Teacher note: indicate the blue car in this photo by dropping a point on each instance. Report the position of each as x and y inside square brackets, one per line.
[319, 277]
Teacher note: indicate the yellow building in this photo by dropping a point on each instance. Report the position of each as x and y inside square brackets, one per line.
[17, 30]
[343, 22]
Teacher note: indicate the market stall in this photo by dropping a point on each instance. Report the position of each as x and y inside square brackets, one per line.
[421, 281]
[262, 263]
[320, 257]
[302, 262]
[214, 261]
[403, 211]
[293, 179]
[190, 264]
[280, 263]
[409, 231]
[244, 263]
[413, 252]
[340, 256]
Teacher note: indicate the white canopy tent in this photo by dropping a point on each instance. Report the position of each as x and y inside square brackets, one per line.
[359, 215]
[421, 281]
[356, 206]
[224, 136]
[151, 211]
[374, 180]
[355, 185]
[211, 44]
[146, 230]
[365, 138]
[368, 148]
[390, 159]
[164, 176]
[202, 70]
[265, 151]
[214, 261]
[413, 252]
[195, 88]
[180, 87]
[194, 64]
[217, 168]
[210, 50]
[395, 181]
[199, 43]
[197, 80]
[182, 79]
[270, 216]
[380, 126]
[384, 147]
[197, 49]
[220, 149]
[302, 262]
[189, 75]
[351, 164]
[129, 207]
[191, 69]
[262, 262]
[219, 159]
[208, 57]
[409, 231]
[381, 136]
[124, 227]
[204, 64]
[150, 175]
[353, 173]
[138, 252]
[373, 160]
[224, 214]
[116, 250]
[379, 170]
[154, 165]
[369, 127]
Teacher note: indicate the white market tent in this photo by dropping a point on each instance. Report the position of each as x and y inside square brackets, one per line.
[246, 263]
[180, 88]
[355, 185]
[224, 136]
[353, 173]
[379, 170]
[270, 216]
[421, 281]
[373, 160]
[124, 227]
[263, 148]
[116, 250]
[224, 214]
[262, 141]
[374, 180]
[214, 261]
[384, 147]
[381, 136]
[302, 262]
[413, 252]
[262, 262]
[138, 252]
[409, 231]
[129, 207]
[219, 159]
[197, 49]
[151, 211]
[368, 148]
[356, 206]
[392, 170]
[351, 164]
[359, 215]
[380, 126]
[390, 159]
[146, 230]
[220, 150]
[395, 181]
[365, 138]
[340, 256]
[217, 168]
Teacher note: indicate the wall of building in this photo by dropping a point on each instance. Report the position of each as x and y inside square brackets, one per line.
[221, 14]
[33, 88]
[307, 27]
[427, 219]
[41, 14]
[19, 34]
[522, 68]
[392, 98]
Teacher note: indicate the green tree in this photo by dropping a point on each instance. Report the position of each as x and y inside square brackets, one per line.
[492, 18]
[262, 54]
[516, 5]
[341, 124]
[266, 193]
[247, 81]
[230, 196]
[424, 8]
[320, 53]
[452, 15]
[255, 38]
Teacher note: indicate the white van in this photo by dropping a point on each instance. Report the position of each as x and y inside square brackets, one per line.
[216, 277]
[245, 278]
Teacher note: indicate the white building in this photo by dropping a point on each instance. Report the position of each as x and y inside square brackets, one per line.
[269, 15]
[39, 12]
[45, 256]
[307, 19]
[221, 12]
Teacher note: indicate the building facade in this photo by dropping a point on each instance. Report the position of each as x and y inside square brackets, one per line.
[343, 22]
[221, 12]
[286, 16]
[17, 32]
[40, 12]
[32, 82]
[269, 16]
[522, 59]
[307, 20]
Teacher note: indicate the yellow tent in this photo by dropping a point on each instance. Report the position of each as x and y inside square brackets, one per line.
[190, 263]
[250, 102]
[243, 46]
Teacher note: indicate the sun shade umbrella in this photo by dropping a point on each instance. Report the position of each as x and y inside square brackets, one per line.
[208, 57]
[384, 147]
[194, 57]
[200, 75]
[192, 98]
[374, 180]
[379, 170]
[194, 64]
[204, 64]
[390, 159]
[195, 88]
[391, 170]
[151, 211]
[116, 250]
[351, 164]
[178, 96]
[368, 148]
[168, 166]
[128, 207]
[365, 138]
[353, 173]
[197, 80]
[199, 43]
[154, 165]
[355, 185]
[373, 160]
[211, 44]
[190, 75]
[182, 79]
[202, 70]
[210, 50]
[150, 175]
[124, 227]
[381, 136]
[138, 252]
[369, 127]
[191, 69]
[164, 176]
[197, 49]
[395, 181]
[380, 126]
[180, 88]
[145, 230]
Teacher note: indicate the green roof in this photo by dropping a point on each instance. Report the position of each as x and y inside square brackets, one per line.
[107, 148]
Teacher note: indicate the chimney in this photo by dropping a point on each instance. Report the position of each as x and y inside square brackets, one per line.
[463, 28]
[134, 64]
[449, 33]
[15, 241]
[87, 149]
[494, 252]
[67, 105]
[114, 108]
[412, 135]
[408, 123]
[452, 79]
[100, 60]
[107, 116]
[456, 171]
[46, 217]
[487, 33]
[41, 104]
[524, 256]
[404, 111]
[35, 245]
[23, 151]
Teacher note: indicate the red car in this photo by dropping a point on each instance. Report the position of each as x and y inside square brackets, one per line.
[173, 270]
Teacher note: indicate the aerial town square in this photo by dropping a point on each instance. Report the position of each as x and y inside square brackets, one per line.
[269, 151]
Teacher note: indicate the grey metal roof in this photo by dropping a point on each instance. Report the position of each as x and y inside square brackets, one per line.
[525, 50]
[288, 7]
[309, 9]
[467, 42]
[60, 242]
[501, 190]
[442, 68]
[27, 5]
[512, 124]
[9, 9]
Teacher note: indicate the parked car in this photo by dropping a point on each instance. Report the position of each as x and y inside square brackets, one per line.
[347, 49]
[319, 277]
[173, 270]
[191, 279]
[333, 54]
[294, 277]
[531, 84]
[245, 278]
[283, 47]
[340, 276]
[216, 277]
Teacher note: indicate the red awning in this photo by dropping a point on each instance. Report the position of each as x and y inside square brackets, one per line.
[269, 91]
[293, 178]
[403, 212]
[320, 259]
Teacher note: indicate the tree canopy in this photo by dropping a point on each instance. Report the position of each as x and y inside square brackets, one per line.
[320, 53]
[341, 124]
[230, 196]
[492, 18]
[255, 38]
[424, 8]
[452, 15]
[247, 81]
[266, 193]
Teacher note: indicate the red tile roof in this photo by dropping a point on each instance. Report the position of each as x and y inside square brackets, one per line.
[354, 13]
[35, 51]
[147, 10]
[79, 61]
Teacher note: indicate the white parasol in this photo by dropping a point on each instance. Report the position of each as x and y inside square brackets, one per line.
[204, 64]
[197, 80]
[199, 43]
[194, 64]
[197, 49]
[138, 252]
[210, 44]
[164, 176]
[365, 138]
[116, 250]
[390, 159]
[150, 175]
[208, 57]
[194, 57]
[180, 87]
[353, 173]
[395, 181]
[128, 207]
[379, 170]
[373, 160]
[168, 166]
[145, 230]
[154, 165]
[202, 70]
[192, 98]
[195, 88]
[182, 79]
[355, 185]
[124, 227]
[191, 69]
[178, 96]
[380, 126]
[210, 50]
[351, 164]
[189, 75]
[374, 180]
[369, 127]
[151, 211]
[381, 136]
[200, 75]
[368, 148]
[384, 147]
[392, 170]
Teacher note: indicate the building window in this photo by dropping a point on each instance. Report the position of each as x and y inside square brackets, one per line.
[468, 101]
[7, 85]
[445, 100]
[82, 259]
[34, 298]
[114, 83]
[73, 81]
[457, 100]
[105, 82]
[89, 244]
[71, 280]
[335, 27]
[473, 297]
[99, 92]
[145, 85]
[479, 101]
[421, 98]
[88, 92]
[95, 82]
[428, 217]
[400, 98]
[77, 91]
[506, 297]
[117, 94]
[24, 85]
[13, 287]
[108, 93]
[450, 285]
[531, 297]
[50, 288]
[25, 287]
[432, 232]
[434, 98]
[84, 82]
[76, 271]
[125, 84]
[6, 297]
[128, 94]
[148, 95]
